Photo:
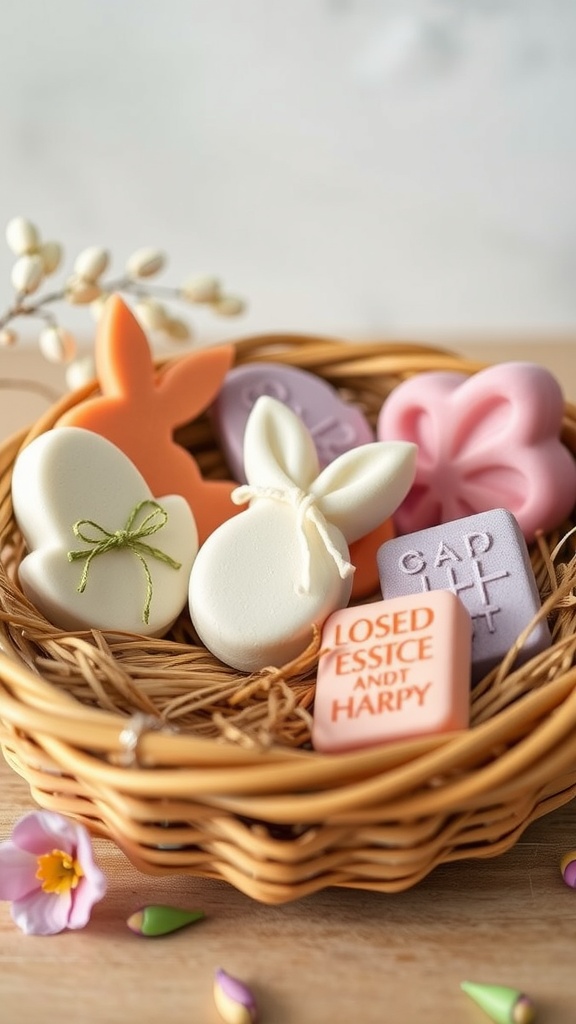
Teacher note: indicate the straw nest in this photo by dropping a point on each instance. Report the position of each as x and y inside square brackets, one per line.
[192, 768]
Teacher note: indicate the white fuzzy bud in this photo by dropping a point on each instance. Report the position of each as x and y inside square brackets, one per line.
[152, 315]
[177, 329]
[8, 337]
[50, 254]
[80, 292]
[27, 274]
[97, 306]
[22, 236]
[80, 372]
[145, 263]
[201, 289]
[56, 344]
[229, 305]
[91, 263]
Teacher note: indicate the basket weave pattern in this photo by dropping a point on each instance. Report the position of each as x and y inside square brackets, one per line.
[193, 768]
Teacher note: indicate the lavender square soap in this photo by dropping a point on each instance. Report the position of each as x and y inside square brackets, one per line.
[484, 560]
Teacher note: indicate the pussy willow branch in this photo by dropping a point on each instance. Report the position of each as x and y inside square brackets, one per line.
[36, 307]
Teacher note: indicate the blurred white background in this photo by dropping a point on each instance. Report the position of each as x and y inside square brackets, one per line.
[363, 167]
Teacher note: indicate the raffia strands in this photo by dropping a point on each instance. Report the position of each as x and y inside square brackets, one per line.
[191, 767]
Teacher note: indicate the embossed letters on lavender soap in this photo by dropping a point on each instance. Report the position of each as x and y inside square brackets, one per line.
[483, 560]
[335, 426]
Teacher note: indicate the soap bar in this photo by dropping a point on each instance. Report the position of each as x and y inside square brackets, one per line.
[392, 670]
[487, 441]
[484, 560]
[103, 552]
[335, 425]
[139, 410]
[262, 579]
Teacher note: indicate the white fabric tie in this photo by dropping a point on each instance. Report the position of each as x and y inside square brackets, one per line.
[306, 511]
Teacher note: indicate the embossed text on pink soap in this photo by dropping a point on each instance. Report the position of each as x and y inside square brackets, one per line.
[392, 670]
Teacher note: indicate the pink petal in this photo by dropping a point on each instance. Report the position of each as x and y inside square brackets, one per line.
[486, 486]
[42, 831]
[91, 887]
[17, 872]
[42, 913]
[481, 423]
[513, 404]
[84, 851]
[87, 893]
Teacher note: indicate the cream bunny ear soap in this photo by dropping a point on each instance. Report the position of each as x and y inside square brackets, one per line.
[103, 552]
[263, 578]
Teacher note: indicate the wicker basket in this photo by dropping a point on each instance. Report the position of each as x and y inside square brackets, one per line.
[193, 769]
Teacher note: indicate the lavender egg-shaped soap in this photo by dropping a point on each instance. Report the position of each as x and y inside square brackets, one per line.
[335, 425]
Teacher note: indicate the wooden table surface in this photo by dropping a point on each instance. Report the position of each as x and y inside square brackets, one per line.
[337, 956]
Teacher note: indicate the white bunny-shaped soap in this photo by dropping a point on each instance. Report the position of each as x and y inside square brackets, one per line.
[264, 577]
[104, 553]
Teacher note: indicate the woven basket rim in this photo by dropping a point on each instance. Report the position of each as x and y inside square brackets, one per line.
[105, 726]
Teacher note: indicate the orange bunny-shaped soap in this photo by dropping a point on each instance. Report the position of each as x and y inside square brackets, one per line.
[139, 410]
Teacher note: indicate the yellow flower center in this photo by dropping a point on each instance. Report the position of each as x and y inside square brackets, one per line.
[58, 872]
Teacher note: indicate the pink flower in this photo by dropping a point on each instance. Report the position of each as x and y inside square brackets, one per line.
[48, 872]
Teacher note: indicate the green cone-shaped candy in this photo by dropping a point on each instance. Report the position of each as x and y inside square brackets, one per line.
[504, 1005]
[157, 919]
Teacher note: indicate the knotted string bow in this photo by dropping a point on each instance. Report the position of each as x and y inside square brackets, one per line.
[306, 511]
[130, 537]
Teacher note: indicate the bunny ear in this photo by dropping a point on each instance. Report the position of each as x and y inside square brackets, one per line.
[191, 383]
[364, 486]
[278, 449]
[123, 358]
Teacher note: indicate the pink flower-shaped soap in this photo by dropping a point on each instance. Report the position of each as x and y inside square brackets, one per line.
[487, 441]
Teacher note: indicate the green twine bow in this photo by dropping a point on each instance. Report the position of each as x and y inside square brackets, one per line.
[130, 538]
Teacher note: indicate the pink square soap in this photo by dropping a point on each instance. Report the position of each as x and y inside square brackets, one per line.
[393, 670]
